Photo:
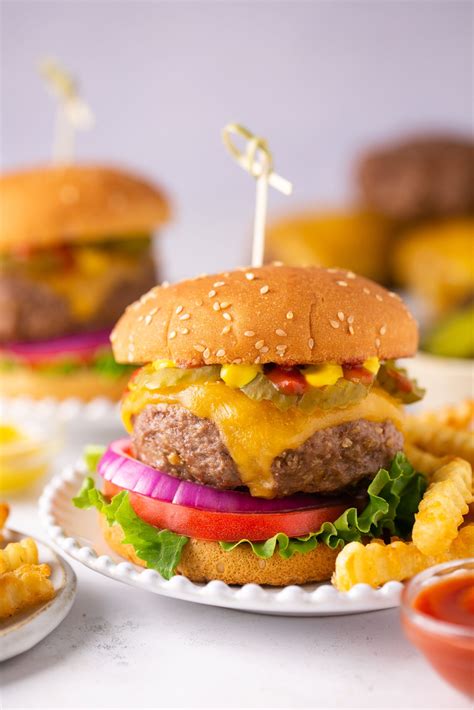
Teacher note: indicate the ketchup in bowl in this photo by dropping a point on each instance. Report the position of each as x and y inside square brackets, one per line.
[438, 618]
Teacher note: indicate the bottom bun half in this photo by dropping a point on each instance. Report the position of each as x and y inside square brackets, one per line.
[204, 560]
[84, 384]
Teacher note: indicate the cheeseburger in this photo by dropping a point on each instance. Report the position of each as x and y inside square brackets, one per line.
[75, 249]
[265, 425]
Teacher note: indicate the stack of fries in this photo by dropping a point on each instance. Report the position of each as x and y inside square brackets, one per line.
[23, 581]
[440, 445]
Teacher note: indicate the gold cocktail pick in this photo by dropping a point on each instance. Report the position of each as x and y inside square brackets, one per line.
[73, 113]
[257, 160]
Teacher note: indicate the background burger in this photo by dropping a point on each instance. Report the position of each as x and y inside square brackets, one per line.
[265, 425]
[75, 249]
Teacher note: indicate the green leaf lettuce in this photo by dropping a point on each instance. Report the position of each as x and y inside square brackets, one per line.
[394, 496]
[160, 549]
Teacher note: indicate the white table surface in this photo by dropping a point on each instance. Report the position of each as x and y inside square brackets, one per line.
[123, 647]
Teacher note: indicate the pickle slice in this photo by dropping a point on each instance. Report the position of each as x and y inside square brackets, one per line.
[342, 394]
[390, 384]
[261, 388]
[172, 376]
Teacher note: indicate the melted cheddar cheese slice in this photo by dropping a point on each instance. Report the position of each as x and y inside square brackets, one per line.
[257, 432]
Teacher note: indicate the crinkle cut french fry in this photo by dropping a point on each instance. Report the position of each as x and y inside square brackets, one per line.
[376, 563]
[440, 440]
[457, 416]
[16, 554]
[26, 586]
[443, 507]
[422, 460]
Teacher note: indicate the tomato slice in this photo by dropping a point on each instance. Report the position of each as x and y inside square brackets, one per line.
[358, 374]
[227, 527]
[288, 380]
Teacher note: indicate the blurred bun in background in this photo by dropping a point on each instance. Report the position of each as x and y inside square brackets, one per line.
[75, 249]
[351, 238]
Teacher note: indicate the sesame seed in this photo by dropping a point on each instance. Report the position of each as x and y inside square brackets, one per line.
[334, 323]
[289, 315]
[392, 294]
[140, 318]
[340, 315]
[341, 283]
[184, 331]
[178, 310]
[130, 357]
[383, 330]
[311, 343]
[366, 290]
[224, 304]
[281, 348]
[377, 342]
[350, 320]
[280, 332]
[259, 344]
[211, 293]
[153, 311]
[216, 306]
[265, 349]
[199, 348]
[227, 316]
[350, 275]
[185, 316]
[148, 319]
[220, 353]
[378, 297]
[249, 333]
[172, 335]
[351, 330]
[206, 353]
[257, 360]
[165, 284]
[225, 329]
[237, 361]
[264, 290]
[218, 284]
[113, 336]
[250, 276]
[199, 303]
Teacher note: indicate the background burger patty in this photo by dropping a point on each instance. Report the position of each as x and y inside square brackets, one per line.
[172, 439]
[31, 310]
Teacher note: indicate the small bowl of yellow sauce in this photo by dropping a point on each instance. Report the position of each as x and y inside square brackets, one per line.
[26, 453]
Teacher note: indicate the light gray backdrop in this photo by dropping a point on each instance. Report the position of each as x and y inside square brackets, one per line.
[319, 79]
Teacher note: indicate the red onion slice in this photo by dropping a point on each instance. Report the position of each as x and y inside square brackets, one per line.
[80, 344]
[119, 467]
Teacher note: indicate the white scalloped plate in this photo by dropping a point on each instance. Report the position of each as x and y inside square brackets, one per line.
[95, 412]
[22, 631]
[77, 533]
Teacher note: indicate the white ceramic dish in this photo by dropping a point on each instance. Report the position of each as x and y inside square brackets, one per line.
[96, 411]
[77, 533]
[21, 632]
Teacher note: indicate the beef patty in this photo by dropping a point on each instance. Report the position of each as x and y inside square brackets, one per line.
[172, 439]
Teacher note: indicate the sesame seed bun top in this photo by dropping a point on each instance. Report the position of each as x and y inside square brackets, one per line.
[281, 314]
[56, 204]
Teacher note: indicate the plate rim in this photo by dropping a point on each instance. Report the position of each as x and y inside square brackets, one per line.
[320, 600]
